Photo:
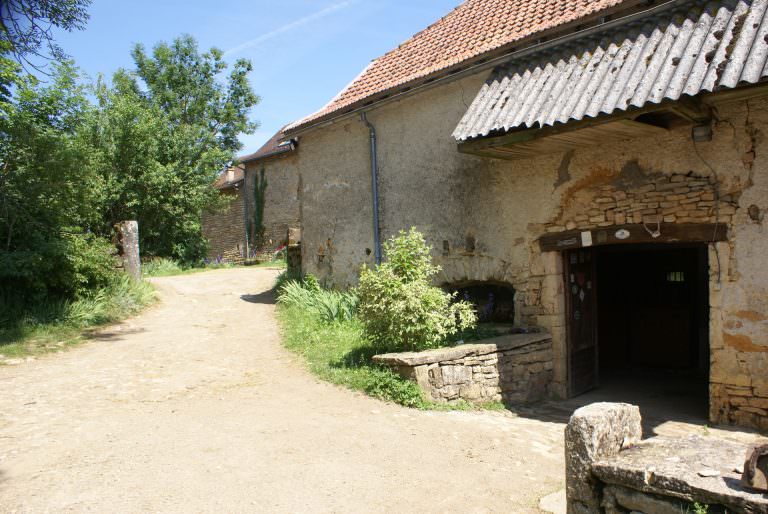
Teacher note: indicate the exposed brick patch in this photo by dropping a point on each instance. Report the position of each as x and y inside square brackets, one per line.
[635, 197]
[225, 230]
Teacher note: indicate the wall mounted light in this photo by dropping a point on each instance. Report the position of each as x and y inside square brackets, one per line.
[701, 133]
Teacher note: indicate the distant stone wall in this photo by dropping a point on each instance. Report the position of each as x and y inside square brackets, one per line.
[225, 230]
[281, 202]
[515, 368]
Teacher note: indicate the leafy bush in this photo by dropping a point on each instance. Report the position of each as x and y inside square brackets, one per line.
[400, 308]
[92, 264]
[327, 305]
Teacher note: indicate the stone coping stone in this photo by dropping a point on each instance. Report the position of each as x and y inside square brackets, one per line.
[483, 347]
[694, 468]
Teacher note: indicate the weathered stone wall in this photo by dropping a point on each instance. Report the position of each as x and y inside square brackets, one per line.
[610, 470]
[490, 213]
[513, 368]
[225, 229]
[281, 206]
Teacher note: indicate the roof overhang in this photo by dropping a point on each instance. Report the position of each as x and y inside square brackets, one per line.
[533, 142]
[280, 149]
[230, 186]
[629, 80]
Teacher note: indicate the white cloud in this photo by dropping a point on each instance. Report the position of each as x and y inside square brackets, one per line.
[290, 26]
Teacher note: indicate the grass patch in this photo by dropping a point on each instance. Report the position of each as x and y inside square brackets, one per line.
[277, 263]
[163, 267]
[339, 353]
[55, 325]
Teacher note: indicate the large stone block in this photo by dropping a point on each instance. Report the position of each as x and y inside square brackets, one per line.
[456, 374]
[595, 432]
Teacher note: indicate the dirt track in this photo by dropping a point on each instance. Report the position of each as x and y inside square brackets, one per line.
[195, 407]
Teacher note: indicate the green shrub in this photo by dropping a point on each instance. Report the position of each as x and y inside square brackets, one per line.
[69, 266]
[400, 308]
[326, 305]
[92, 263]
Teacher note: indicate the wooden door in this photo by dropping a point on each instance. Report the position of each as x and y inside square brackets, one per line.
[581, 312]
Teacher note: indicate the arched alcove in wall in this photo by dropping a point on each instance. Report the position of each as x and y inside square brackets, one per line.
[494, 301]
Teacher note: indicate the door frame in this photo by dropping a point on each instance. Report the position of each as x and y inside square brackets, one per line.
[569, 309]
[705, 290]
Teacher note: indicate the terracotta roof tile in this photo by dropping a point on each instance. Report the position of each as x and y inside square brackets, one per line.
[474, 28]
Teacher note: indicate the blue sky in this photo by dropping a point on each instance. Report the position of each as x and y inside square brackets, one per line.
[303, 51]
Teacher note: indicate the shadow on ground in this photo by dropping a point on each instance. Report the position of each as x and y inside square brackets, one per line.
[666, 403]
[267, 298]
[111, 334]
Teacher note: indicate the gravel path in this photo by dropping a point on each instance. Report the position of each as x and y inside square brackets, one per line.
[194, 406]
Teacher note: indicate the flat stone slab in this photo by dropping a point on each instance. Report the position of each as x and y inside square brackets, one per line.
[486, 346]
[693, 469]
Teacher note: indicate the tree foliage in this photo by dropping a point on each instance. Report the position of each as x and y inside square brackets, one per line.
[167, 129]
[27, 26]
[51, 191]
[149, 149]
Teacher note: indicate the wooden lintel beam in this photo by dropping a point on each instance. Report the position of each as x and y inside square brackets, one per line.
[522, 136]
[633, 234]
[692, 109]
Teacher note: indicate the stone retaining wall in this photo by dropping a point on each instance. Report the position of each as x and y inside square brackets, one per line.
[514, 368]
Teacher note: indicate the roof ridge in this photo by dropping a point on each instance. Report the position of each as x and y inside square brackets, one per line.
[471, 30]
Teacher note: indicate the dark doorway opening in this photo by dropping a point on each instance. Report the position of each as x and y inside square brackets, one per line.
[650, 326]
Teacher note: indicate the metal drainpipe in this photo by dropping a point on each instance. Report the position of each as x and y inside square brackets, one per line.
[245, 216]
[374, 187]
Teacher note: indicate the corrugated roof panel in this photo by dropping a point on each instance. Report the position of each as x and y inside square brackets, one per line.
[683, 48]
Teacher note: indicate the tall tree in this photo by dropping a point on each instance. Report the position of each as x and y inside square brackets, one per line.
[168, 129]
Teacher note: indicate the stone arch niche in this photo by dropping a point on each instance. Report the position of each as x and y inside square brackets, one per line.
[494, 301]
[480, 276]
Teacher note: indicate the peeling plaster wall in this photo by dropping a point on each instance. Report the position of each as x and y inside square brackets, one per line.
[501, 207]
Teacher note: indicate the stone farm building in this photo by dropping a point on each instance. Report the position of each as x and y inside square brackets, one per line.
[231, 232]
[596, 168]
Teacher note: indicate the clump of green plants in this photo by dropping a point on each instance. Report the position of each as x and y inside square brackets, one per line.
[699, 508]
[395, 307]
[340, 353]
[321, 325]
[399, 307]
[54, 323]
[327, 305]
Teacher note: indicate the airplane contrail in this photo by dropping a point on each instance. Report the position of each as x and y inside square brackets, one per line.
[290, 26]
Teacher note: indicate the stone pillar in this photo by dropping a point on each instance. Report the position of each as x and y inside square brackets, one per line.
[128, 236]
[595, 432]
[293, 251]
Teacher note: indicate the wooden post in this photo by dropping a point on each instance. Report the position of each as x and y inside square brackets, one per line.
[128, 236]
